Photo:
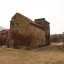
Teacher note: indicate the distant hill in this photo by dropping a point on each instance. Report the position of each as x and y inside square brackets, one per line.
[1, 28]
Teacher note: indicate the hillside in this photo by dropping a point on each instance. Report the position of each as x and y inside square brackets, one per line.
[1, 28]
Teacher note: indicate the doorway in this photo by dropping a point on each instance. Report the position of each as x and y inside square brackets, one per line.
[47, 39]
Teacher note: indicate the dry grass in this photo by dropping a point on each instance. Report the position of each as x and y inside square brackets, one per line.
[47, 55]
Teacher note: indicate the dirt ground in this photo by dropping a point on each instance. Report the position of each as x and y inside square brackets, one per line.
[53, 54]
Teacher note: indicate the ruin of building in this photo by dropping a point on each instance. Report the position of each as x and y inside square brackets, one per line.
[27, 33]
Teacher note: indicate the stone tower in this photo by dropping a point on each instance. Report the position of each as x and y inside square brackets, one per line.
[44, 24]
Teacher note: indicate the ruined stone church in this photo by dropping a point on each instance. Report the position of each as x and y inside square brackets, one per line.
[25, 32]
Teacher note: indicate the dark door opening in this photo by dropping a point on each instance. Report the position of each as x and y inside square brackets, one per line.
[47, 39]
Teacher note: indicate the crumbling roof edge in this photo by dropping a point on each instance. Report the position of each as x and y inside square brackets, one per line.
[42, 19]
[32, 22]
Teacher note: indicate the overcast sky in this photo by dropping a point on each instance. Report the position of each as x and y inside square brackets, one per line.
[51, 10]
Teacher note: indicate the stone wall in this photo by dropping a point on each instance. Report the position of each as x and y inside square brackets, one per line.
[44, 24]
[24, 32]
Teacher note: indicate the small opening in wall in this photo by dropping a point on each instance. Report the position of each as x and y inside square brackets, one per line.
[17, 30]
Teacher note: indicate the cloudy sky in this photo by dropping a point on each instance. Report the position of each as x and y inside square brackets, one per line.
[52, 10]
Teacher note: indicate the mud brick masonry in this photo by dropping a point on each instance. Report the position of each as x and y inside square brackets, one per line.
[26, 33]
